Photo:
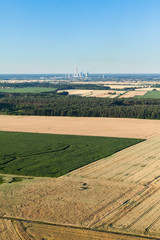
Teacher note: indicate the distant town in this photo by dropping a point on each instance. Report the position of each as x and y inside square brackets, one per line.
[78, 76]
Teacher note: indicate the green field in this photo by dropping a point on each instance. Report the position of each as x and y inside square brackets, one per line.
[1, 180]
[151, 94]
[49, 155]
[27, 90]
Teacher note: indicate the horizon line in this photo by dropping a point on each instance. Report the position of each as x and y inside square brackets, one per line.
[73, 73]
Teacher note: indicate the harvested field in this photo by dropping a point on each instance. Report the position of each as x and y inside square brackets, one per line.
[121, 86]
[7, 230]
[108, 127]
[117, 194]
[28, 230]
[130, 94]
[120, 83]
[147, 89]
[94, 93]
[38, 231]
[136, 165]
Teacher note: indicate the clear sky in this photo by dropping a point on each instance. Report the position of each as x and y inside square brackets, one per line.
[103, 36]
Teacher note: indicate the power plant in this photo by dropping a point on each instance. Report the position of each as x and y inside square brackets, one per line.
[78, 74]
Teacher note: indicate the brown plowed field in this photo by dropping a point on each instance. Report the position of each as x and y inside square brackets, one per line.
[109, 127]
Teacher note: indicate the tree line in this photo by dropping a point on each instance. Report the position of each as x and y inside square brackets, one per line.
[58, 86]
[53, 104]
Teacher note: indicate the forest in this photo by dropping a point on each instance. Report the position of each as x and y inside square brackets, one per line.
[54, 104]
[59, 86]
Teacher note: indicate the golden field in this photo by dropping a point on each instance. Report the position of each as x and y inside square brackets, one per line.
[94, 93]
[114, 198]
[91, 126]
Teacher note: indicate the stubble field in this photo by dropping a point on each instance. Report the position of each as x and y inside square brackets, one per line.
[87, 126]
[131, 94]
[117, 196]
[94, 93]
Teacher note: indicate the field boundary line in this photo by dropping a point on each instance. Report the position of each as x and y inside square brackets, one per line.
[81, 228]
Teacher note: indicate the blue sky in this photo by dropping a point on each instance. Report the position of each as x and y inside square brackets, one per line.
[103, 36]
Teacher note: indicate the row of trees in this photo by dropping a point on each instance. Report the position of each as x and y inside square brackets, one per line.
[52, 104]
[60, 86]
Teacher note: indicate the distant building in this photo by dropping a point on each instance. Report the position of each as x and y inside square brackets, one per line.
[79, 74]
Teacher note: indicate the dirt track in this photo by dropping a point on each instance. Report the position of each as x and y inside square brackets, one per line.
[111, 127]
